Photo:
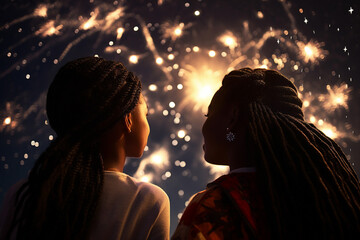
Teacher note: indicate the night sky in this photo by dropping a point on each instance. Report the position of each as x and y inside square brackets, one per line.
[180, 50]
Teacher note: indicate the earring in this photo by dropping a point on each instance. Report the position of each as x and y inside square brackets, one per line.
[230, 136]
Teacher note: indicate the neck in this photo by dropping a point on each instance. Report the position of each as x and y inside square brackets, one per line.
[113, 154]
[113, 162]
[238, 158]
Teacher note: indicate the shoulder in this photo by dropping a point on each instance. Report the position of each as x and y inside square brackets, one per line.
[144, 190]
[151, 191]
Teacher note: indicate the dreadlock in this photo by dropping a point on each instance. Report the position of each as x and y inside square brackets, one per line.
[310, 190]
[86, 97]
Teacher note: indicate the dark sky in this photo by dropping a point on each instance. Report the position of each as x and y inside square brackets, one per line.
[272, 33]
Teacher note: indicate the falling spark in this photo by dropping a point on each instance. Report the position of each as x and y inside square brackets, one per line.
[150, 44]
[120, 32]
[41, 11]
[74, 43]
[92, 21]
[112, 17]
[49, 29]
[260, 15]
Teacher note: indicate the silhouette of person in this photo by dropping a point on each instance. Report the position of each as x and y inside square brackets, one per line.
[287, 179]
[77, 188]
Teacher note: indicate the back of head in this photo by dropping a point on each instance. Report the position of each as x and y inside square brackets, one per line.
[87, 97]
[309, 189]
[90, 93]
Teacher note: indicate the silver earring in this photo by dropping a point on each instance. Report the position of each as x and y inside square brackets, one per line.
[230, 136]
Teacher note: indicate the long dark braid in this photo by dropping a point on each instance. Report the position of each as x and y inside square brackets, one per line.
[309, 188]
[86, 98]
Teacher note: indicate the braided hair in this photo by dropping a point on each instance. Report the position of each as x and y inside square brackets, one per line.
[87, 97]
[309, 189]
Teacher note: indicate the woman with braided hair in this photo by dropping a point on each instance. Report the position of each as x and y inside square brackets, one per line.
[76, 189]
[287, 179]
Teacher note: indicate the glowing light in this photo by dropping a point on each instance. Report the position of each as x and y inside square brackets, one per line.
[260, 15]
[181, 192]
[178, 30]
[264, 66]
[197, 13]
[159, 61]
[338, 96]
[306, 103]
[120, 32]
[112, 17]
[196, 49]
[133, 59]
[171, 56]
[150, 168]
[92, 21]
[7, 121]
[41, 11]
[329, 132]
[173, 30]
[212, 53]
[200, 85]
[181, 134]
[228, 39]
[49, 29]
[171, 104]
[152, 87]
[312, 51]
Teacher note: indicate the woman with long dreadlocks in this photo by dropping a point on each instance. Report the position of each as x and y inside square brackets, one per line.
[76, 189]
[287, 179]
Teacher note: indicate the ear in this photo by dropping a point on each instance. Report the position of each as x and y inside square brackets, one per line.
[128, 122]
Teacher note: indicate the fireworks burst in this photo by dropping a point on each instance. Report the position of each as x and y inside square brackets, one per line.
[200, 85]
[312, 51]
[180, 59]
[338, 96]
[173, 30]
